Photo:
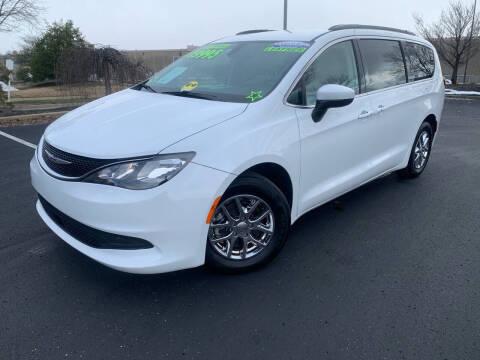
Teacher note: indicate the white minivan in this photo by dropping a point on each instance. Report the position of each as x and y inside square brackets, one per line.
[214, 157]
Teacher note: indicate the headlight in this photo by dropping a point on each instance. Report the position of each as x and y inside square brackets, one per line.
[142, 174]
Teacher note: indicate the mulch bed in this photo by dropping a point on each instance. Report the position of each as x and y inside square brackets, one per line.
[13, 117]
[30, 118]
[14, 112]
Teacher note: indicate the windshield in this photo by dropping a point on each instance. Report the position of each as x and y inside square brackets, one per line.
[235, 72]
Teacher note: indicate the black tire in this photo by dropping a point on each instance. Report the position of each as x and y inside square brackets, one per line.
[412, 171]
[258, 186]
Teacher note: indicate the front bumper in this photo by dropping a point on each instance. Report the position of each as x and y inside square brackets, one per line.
[171, 216]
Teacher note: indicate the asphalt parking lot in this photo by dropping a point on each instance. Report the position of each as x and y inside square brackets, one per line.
[389, 271]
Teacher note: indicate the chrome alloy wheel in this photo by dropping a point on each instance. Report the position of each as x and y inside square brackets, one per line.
[241, 227]
[422, 148]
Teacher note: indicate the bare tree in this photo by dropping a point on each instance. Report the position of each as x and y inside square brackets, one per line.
[79, 66]
[13, 13]
[111, 65]
[454, 34]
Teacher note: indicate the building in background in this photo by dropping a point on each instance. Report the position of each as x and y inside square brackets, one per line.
[156, 60]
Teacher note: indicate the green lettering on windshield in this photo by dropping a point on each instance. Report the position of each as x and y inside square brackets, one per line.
[218, 46]
[205, 54]
[208, 52]
[285, 49]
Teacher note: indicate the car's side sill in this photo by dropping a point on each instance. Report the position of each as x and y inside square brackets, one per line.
[384, 174]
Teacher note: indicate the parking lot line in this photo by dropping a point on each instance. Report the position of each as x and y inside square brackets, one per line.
[26, 143]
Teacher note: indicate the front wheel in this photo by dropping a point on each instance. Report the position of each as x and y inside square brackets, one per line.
[420, 153]
[249, 226]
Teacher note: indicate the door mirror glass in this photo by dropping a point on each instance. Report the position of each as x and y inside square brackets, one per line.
[331, 96]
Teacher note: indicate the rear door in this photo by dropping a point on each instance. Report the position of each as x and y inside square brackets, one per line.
[385, 83]
[420, 61]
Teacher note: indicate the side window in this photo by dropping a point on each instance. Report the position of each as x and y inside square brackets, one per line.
[383, 62]
[420, 61]
[336, 65]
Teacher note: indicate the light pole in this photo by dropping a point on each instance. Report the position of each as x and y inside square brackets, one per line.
[285, 14]
[471, 39]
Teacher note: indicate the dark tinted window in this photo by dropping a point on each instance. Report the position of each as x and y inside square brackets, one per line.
[336, 65]
[384, 66]
[420, 61]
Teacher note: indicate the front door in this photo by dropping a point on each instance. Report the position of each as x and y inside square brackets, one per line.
[335, 152]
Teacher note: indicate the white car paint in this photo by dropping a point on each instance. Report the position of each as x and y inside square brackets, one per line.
[349, 147]
[160, 120]
[335, 92]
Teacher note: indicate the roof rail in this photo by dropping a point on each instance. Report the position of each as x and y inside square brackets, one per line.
[252, 31]
[370, 27]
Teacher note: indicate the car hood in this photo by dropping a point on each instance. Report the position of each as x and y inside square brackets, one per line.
[134, 123]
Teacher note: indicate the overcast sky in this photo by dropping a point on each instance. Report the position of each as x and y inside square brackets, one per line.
[163, 24]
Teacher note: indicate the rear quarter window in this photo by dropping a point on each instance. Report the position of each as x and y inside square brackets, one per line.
[420, 61]
[383, 63]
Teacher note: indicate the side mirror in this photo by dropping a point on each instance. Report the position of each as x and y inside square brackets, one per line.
[331, 96]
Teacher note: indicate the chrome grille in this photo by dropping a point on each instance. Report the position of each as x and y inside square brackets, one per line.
[70, 165]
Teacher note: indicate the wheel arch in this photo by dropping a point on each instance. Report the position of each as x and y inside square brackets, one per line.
[432, 120]
[276, 174]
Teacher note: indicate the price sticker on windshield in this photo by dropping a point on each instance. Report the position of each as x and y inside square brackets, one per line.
[288, 47]
[208, 52]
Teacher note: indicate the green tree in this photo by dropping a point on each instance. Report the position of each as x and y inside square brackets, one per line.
[23, 74]
[44, 51]
[23, 56]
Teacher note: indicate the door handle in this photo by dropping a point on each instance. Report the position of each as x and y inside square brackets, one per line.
[364, 114]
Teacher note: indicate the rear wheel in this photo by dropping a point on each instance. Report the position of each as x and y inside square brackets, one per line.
[249, 226]
[420, 153]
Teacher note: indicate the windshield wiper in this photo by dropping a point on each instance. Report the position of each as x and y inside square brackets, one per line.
[190, 94]
[145, 86]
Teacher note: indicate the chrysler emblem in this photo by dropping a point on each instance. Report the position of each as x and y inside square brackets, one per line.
[56, 159]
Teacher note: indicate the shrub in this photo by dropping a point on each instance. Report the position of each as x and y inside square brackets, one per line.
[3, 99]
[23, 74]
